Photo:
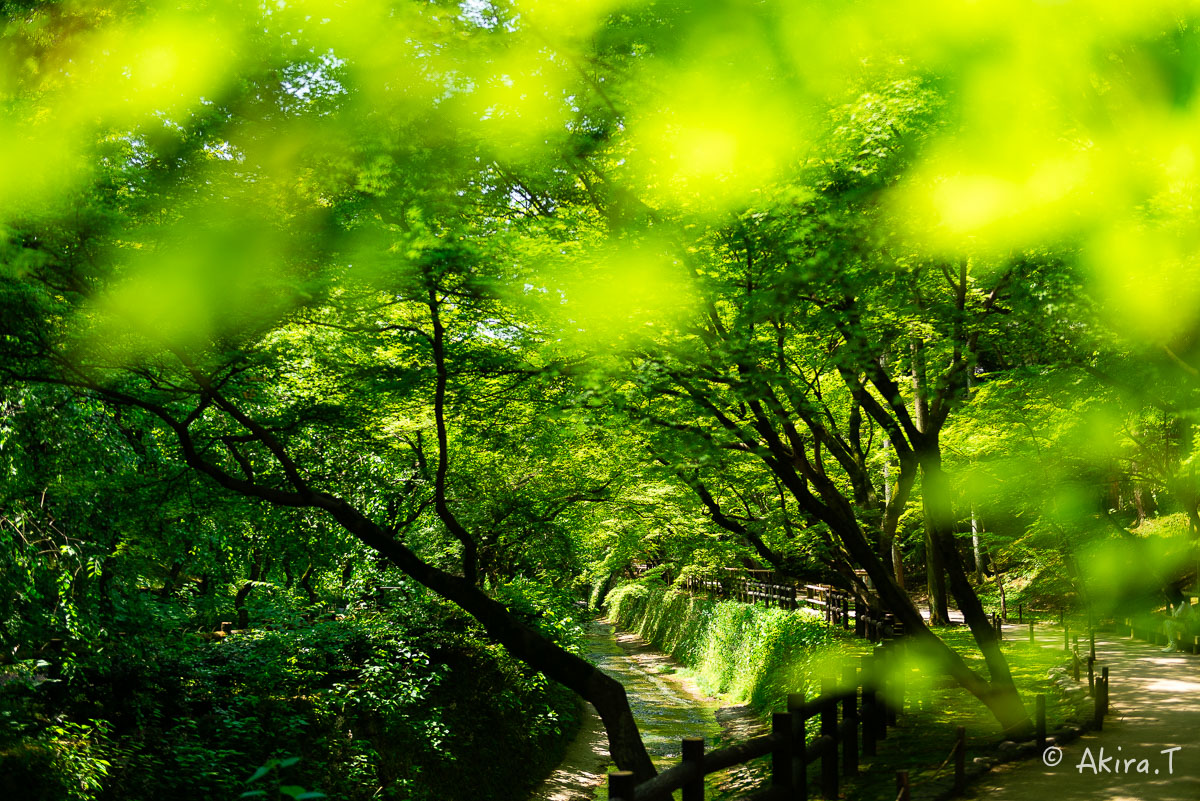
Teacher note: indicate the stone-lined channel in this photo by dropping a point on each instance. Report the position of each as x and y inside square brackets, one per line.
[667, 707]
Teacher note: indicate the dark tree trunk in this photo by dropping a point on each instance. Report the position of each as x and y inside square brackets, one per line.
[935, 580]
[935, 571]
[239, 603]
[306, 584]
[605, 693]
[171, 582]
[243, 593]
[1004, 698]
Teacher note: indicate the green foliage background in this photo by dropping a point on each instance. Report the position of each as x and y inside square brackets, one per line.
[395, 705]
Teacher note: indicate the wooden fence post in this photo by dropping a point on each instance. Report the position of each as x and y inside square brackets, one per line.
[1031, 640]
[960, 759]
[903, 792]
[881, 700]
[620, 785]
[1102, 704]
[799, 766]
[850, 721]
[890, 675]
[829, 760]
[1104, 680]
[781, 754]
[1041, 723]
[899, 671]
[1091, 675]
[1066, 637]
[693, 751]
[870, 709]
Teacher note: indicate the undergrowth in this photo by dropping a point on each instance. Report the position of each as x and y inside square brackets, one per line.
[409, 703]
[750, 654]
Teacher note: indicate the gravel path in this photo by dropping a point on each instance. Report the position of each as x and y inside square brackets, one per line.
[1155, 699]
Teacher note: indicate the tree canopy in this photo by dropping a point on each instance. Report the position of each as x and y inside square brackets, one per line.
[515, 294]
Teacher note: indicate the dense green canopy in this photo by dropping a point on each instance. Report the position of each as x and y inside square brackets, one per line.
[511, 295]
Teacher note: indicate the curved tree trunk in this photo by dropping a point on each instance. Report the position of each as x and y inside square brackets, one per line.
[940, 517]
[306, 585]
[605, 693]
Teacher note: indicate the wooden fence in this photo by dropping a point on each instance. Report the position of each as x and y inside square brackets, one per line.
[1152, 629]
[836, 606]
[870, 697]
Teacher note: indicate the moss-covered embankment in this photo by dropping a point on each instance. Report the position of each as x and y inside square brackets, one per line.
[749, 654]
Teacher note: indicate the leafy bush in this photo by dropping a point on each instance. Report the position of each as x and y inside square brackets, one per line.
[753, 654]
[64, 762]
[412, 704]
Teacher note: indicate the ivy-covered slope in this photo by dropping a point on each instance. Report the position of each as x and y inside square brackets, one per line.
[751, 654]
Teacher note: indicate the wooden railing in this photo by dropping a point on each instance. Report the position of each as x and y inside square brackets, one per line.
[870, 696]
[1097, 682]
[836, 606]
[865, 697]
[1152, 629]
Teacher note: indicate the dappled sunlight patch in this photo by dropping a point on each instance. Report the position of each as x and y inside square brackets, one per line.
[621, 294]
[220, 272]
[715, 137]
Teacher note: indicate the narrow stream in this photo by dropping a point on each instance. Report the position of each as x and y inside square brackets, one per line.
[667, 707]
[663, 707]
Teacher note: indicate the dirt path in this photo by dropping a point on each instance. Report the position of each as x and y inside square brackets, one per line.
[1156, 706]
[581, 771]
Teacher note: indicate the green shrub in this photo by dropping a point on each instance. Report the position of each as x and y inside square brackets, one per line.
[752, 654]
[410, 705]
[65, 762]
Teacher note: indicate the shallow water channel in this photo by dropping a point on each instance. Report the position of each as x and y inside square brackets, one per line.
[667, 705]
[665, 708]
